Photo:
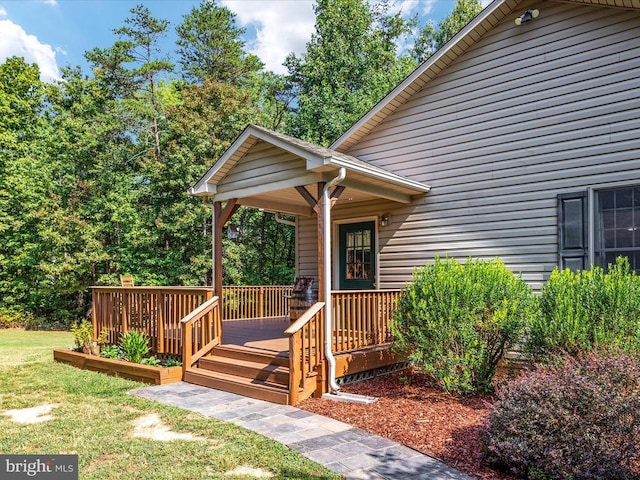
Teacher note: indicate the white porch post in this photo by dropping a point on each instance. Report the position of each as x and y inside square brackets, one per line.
[325, 212]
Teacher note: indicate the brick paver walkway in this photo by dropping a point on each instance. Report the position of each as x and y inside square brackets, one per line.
[345, 449]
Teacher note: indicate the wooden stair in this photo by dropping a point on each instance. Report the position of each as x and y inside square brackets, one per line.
[247, 371]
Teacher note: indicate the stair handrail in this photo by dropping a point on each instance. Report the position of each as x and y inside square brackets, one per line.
[305, 318]
[208, 336]
[303, 334]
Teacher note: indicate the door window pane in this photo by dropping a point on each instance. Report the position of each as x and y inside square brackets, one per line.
[358, 260]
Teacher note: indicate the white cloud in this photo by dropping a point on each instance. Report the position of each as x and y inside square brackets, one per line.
[51, 2]
[426, 6]
[285, 26]
[3, 12]
[281, 27]
[14, 41]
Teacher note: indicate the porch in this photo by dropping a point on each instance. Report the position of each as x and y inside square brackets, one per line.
[345, 332]
[245, 342]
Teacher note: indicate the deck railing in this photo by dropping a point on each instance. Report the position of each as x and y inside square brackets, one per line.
[155, 311]
[201, 331]
[264, 301]
[306, 352]
[361, 318]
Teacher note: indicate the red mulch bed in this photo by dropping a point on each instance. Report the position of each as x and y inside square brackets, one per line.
[420, 416]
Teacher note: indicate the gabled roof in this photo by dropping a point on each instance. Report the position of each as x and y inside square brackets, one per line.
[318, 160]
[454, 48]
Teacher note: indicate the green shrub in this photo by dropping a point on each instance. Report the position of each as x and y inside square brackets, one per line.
[456, 320]
[577, 420]
[151, 361]
[110, 351]
[11, 318]
[172, 362]
[134, 346]
[586, 309]
[83, 337]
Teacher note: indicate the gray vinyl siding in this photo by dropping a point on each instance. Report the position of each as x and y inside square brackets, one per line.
[261, 165]
[307, 247]
[525, 114]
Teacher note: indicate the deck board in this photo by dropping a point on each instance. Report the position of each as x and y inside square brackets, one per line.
[263, 333]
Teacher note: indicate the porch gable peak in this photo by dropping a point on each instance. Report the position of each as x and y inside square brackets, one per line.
[314, 164]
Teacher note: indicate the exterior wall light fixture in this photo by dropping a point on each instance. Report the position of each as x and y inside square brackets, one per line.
[385, 219]
[527, 16]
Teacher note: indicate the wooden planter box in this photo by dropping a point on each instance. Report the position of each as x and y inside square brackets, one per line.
[119, 368]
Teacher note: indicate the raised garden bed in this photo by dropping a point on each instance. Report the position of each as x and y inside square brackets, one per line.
[119, 368]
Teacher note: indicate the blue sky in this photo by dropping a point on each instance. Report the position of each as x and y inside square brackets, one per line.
[54, 33]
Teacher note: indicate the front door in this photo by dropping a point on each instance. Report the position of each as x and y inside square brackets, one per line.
[357, 256]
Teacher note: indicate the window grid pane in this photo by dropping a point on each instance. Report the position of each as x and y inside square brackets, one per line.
[617, 226]
[358, 252]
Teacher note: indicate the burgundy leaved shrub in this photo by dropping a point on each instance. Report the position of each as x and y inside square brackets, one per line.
[579, 419]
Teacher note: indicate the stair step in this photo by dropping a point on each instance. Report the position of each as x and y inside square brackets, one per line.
[260, 390]
[265, 357]
[246, 368]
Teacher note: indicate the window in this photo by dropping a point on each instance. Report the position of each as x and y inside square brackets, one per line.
[617, 226]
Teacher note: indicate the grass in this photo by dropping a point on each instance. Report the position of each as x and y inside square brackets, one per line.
[19, 347]
[94, 420]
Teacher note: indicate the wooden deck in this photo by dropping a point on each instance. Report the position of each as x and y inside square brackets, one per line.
[260, 333]
[267, 335]
[243, 341]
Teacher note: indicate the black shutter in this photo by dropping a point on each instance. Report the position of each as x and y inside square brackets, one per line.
[573, 231]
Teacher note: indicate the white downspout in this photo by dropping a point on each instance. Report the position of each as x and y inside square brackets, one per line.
[326, 204]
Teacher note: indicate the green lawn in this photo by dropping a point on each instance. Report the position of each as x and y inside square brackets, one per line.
[95, 418]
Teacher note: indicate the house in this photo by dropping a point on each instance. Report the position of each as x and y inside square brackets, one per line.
[513, 141]
[519, 139]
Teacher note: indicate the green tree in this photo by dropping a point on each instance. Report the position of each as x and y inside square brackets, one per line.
[96, 169]
[262, 254]
[131, 69]
[154, 218]
[433, 37]
[228, 91]
[24, 178]
[350, 63]
[46, 249]
[274, 97]
[211, 46]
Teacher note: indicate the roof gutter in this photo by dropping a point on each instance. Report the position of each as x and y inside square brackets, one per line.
[386, 176]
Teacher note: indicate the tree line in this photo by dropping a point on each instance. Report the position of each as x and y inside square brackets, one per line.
[94, 169]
